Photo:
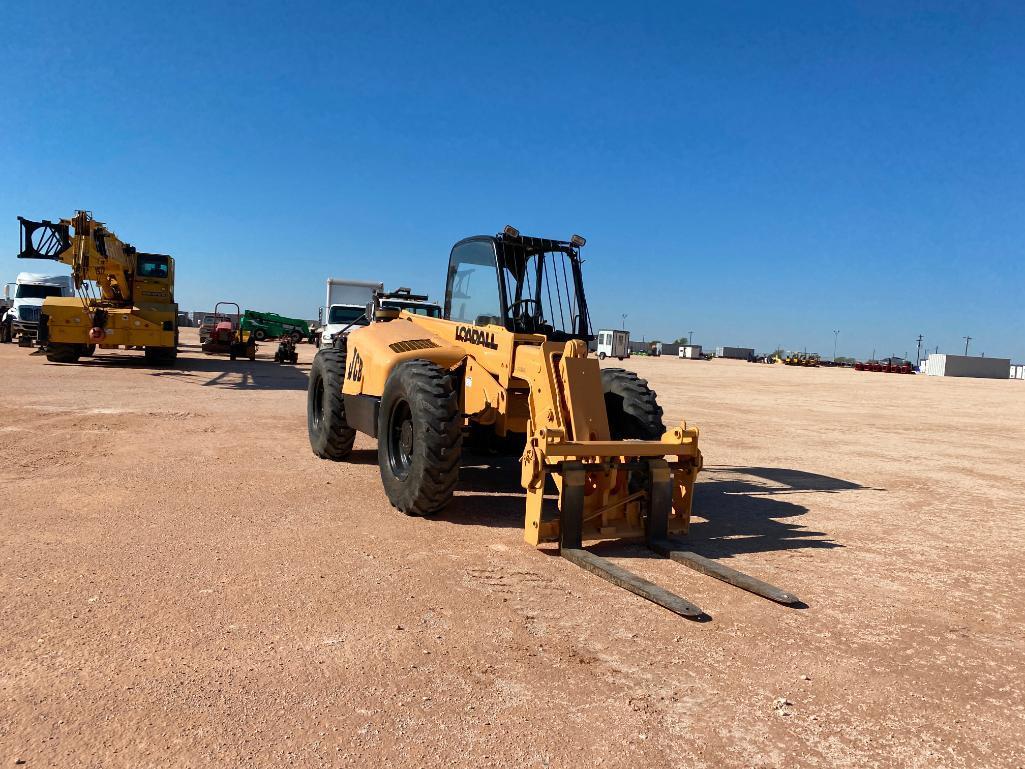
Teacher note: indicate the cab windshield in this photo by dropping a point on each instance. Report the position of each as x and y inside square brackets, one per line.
[340, 314]
[152, 266]
[36, 291]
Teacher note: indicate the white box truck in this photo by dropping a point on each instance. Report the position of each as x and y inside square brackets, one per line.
[613, 343]
[21, 320]
[345, 307]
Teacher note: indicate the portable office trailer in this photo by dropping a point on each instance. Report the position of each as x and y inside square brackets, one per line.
[690, 351]
[613, 343]
[941, 364]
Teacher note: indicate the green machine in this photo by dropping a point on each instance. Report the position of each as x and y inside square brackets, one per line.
[269, 325]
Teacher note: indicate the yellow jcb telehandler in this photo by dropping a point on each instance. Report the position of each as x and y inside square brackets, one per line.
[509, 359]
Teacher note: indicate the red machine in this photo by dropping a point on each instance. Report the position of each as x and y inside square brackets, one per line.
[228, 338]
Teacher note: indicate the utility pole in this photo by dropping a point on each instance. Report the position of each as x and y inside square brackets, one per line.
[918, 361]
[690, 337]
[624, 321]
[967, 339]
[836, 333]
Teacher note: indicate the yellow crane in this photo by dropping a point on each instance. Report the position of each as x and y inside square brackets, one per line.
[132, 304]
[508, 363]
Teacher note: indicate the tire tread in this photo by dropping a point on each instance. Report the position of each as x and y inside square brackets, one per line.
[632, 406]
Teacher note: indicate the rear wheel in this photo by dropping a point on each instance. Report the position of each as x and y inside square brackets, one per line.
[419, 437]
[161, 356]
[330, 435]
[63, 353]
[296, 336]
[631, 406]
[5, 332]
[259, 334]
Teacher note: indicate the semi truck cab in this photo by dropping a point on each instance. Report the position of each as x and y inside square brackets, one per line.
[26, 297]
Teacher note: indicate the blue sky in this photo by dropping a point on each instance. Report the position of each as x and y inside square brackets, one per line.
[759, 173]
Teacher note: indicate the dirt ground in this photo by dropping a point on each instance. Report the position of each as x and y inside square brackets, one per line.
[185, 584]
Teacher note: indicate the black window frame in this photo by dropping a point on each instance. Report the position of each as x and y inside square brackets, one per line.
[499, 246]
[152, 259]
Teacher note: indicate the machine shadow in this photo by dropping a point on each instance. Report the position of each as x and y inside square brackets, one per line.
[737, 510]
[260, 374]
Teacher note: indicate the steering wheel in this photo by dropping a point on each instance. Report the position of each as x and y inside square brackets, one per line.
[517, 312]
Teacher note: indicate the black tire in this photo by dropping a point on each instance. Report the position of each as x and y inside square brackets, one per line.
[161, 356]
[601, 356]
[63, 353]
[89, 350]
[631, 405]
[296, 336]
[5, 333]
[419, 437]
[259, 334]
[330, 435]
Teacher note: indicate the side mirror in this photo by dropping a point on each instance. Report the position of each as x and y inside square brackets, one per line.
[320, 315]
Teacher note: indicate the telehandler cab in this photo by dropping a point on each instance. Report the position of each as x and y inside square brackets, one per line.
[509, 359]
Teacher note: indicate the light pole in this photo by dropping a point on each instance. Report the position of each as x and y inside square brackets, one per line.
[918, 360]
[836, 334]
[624, 321]
[967, 339]
[690, 337]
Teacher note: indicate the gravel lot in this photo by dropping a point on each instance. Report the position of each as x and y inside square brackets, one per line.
[185, 584]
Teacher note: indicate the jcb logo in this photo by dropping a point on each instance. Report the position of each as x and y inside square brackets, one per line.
[355, 372]
[476, 336]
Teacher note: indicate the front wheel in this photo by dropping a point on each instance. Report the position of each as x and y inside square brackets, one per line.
[259, 334]
[601, 356]
[331, 437]
[419, 437]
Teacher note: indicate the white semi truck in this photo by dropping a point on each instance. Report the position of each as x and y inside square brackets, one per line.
[21, 321]
[345, 307]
